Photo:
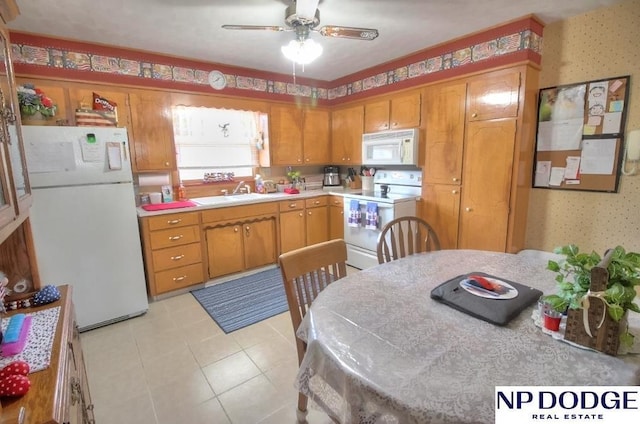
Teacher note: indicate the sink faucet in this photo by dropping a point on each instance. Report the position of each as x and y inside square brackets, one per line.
[235, 190]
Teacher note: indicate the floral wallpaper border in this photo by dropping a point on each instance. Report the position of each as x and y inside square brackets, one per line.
[82, 61]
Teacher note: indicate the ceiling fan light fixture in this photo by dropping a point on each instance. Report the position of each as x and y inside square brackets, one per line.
[302, 52]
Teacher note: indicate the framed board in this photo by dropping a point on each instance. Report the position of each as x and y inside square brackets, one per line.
[580, 135]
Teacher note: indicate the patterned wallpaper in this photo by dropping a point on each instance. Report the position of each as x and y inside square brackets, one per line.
[79, 57]
[599, 44]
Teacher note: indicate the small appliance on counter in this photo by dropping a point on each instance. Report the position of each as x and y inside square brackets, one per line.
[331, 176]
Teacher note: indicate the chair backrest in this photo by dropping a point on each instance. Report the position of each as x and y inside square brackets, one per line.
[405, 236]
[309, 270]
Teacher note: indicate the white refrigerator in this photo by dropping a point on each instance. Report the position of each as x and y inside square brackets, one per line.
[84, 221]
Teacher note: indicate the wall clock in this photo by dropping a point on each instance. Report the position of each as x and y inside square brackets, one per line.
[217, 80]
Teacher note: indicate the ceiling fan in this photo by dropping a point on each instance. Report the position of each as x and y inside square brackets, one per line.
[303, 17]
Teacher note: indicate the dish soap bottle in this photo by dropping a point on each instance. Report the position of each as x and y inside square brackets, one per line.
[182, 192]
[259, 184]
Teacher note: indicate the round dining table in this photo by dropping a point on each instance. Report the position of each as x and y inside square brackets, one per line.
[381, 350]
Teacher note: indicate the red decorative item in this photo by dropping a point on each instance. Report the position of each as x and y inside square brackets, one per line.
[14, 368]
[292, 191]
[14, 385]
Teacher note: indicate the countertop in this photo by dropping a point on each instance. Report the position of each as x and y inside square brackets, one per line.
[247, 199]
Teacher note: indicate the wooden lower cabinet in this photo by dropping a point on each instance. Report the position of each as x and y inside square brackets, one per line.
[240, 238]
[336, 217]
[487, 173]
[317, 220]
[292, 225]
[172, 251]
[60, 393]
[442, 208]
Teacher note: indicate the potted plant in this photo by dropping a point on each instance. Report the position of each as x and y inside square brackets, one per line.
[34, 104]
[574, 280]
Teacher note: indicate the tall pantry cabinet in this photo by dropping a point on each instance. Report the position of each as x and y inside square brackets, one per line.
[478, 158]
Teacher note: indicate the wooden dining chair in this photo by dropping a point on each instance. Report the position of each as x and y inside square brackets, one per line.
[305, 273]
[405, 236]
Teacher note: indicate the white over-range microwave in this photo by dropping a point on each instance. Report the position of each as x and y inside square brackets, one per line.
[397, 147]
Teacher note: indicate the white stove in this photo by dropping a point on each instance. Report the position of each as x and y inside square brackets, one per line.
[404, 188]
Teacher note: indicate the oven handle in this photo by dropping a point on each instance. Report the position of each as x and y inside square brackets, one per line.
[380, 205]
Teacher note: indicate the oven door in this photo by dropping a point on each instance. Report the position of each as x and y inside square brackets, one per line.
[362, 242]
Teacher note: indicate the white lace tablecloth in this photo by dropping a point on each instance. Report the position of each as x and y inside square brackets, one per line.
[380, 350]
[37, 350]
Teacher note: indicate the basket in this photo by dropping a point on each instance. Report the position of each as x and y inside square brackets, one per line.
[606, 337]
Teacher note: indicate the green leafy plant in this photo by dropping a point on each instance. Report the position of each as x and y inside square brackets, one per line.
[34, 100]
[294, 176]
[574, 279]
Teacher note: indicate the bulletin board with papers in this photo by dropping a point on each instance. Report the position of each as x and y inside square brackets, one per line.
[580, 135]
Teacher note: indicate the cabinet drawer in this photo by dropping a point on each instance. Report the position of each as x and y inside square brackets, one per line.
[316, 202]
[172, 221]
[291, 205]
[336, 201]
[173, 257]
[174, 237]
[178, 278]
[234, 212]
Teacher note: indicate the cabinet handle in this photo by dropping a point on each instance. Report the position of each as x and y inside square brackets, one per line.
[317, 202]
[246, 230]
[174, 221]
[174, 238]
[178, 279]
[454, 191]
[292, 205]
[474, 115]
[177, 258]
[454, 179]
[395, 124]
[300, 214]
[341, 212]
[468, 209]
[235, 229]
[75, 391]
[309, 212]
[166, 164]
[307, 160]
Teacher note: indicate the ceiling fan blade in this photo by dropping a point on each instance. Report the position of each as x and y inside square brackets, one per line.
[252, 27]
[348, 32]
[306, 8]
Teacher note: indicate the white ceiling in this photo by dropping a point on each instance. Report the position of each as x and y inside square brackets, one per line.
[191, 28]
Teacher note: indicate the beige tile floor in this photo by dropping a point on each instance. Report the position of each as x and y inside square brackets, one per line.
[175, 365]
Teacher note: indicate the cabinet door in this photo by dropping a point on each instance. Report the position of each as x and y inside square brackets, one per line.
[346, 135]
[83, 97]
[444, 121]
[441, 211]
[152, 131]
[59, 96]
[225, 250]
[286, 135]
[336, 218]
[317, 225]
[376, 116]
[259, 242]
[292, 230]
[488, 164]
[7, 209]
[494, 96]
[405, 111]
[316, 135]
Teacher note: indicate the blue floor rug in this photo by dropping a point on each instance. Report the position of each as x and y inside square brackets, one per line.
[238, 303]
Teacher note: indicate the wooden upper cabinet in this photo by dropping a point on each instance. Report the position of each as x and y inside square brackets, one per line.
[299, 136]
[346, 135]
[494, 96]
[376, 116]
[444, 115]
[398, 112]
[316, 136]
[83, 98]
[151, 141]
[286, 135]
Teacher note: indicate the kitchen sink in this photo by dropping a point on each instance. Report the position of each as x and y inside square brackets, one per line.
[233, 198]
